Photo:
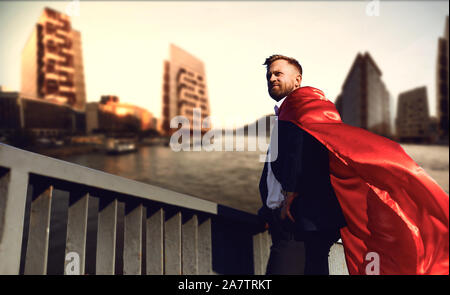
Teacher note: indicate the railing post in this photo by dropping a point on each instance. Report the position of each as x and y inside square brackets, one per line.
[37, 247]
[190, 245]
[155, 242]
[261, 251]
[257, 254]
[172, 245]
[132, 249]
[106, 236]
[265, 249]
[205, 247]
[336, 260]
[76, 231]
[13, 195]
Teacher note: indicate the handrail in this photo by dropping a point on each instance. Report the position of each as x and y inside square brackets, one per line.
[57, 169]
[168, 217]
[173, 232]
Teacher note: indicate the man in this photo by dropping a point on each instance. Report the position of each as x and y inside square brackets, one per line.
[330, 177]
[298, 178]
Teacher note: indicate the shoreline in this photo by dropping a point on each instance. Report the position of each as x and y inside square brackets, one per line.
[65, 151]
[71, 150]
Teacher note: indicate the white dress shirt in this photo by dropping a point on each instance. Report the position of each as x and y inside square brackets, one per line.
[274, 195]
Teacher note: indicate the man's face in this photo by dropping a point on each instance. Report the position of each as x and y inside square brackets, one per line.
[282, 79]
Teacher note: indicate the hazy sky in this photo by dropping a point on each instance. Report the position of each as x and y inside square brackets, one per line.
[124, 45]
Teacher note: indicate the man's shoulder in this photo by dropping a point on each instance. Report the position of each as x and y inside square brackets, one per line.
[289, 126]
[290, 131]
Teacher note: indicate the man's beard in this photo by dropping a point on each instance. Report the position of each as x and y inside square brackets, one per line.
[278, 95]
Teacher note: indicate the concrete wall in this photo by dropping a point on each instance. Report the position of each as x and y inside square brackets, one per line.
[28, 83]
[80, 88]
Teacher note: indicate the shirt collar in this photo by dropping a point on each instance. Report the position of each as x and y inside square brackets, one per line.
[278, 104]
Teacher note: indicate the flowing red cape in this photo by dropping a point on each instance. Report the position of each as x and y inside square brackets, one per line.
[392, 207]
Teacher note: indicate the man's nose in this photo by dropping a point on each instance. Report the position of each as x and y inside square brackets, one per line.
[272, 78]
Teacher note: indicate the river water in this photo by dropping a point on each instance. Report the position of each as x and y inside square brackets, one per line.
[228, 178]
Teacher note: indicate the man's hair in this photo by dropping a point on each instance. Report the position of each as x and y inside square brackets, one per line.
[290, 60]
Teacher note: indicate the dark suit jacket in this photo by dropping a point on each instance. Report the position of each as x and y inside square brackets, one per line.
[302, 166]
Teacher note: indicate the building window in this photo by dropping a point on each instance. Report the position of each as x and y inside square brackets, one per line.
[50, 68]
[66, 26]
[51, 14]
[50, 29]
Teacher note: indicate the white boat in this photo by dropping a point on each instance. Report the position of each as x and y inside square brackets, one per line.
[120, 146]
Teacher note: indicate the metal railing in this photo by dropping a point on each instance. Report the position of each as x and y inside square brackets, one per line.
[163, 232]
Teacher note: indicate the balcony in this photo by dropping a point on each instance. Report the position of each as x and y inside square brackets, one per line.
[183, 234]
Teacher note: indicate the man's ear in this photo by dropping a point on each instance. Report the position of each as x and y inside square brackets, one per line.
[298, 80]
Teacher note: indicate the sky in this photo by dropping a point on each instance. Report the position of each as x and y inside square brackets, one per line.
[124, 45]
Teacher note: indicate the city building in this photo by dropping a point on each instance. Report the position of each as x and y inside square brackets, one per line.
[10, 112]
[52, 62]
[110, 115]
[442, 87]
[92, 110]
[413, 118]
[184, 88]
[364, 100]
[41, 117]
[434, 129]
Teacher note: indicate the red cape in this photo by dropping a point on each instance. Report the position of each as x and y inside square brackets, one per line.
[392, 207]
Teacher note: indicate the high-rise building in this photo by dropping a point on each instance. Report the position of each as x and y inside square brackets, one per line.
[413, 118]
[442, 87]
[364, 100]
[184, 88]
[52, 63]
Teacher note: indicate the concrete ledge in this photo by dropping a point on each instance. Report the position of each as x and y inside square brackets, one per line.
[24, 161]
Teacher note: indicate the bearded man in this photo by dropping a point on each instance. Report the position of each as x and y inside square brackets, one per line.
[330, 180]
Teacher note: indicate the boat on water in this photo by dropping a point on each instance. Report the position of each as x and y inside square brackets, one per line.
[120, 146]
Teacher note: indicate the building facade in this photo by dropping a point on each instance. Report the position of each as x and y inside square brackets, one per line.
[110, 115]
[413, 119]
[10, 113]
[52, 62]
[40, 117]
[364, 100]
[184, 88]
[442, 87]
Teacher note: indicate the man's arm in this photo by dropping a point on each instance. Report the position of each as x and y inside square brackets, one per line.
[288, 165]
[286, 208]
